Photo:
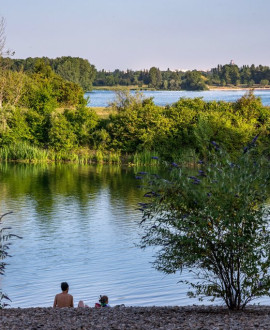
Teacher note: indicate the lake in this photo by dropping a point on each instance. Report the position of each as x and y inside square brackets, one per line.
[79, 224]
[101, 98]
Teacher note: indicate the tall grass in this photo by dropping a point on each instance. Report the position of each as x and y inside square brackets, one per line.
[108, 157]
[145, 158]
[22, 151]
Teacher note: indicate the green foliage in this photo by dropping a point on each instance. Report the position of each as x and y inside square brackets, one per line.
[264, 82]
[41, 89]
[155, 77]
[73, 69]
[83, 121]
[81, 72]
[22, 151]
[39, 125]
[231, 74]
[136, 125]
[61, 136]
[193, 81]
[145, 158]
[76, 70]
[11, 87]
[46, 91]
[13, 126]
[216, 224]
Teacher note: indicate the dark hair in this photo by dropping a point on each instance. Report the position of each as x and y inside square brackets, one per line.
[64, 286]
[103, 300]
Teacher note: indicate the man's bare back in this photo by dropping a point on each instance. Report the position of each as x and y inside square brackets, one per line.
[63, 299]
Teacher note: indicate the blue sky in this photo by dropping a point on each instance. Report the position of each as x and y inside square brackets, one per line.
[125, 34]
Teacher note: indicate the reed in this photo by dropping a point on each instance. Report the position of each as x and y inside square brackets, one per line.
[114, 157]
[108, 157]
[145, 158]
[22, 151]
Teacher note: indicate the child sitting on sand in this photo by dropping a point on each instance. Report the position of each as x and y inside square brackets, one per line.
[103, 302]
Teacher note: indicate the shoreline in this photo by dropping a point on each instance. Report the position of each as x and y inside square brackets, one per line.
[210, 88]
[186, 317]
[239, 88]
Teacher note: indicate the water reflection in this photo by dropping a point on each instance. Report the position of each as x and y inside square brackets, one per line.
[79, 224]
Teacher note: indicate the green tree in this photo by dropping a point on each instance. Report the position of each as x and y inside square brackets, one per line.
[83, 121]
[76, 70]
[214, 223]
[61, 135]
[155, 77]
[193, 81]
[264, 82]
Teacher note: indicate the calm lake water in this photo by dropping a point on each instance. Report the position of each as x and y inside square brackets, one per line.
[101, 98]
[79, 224]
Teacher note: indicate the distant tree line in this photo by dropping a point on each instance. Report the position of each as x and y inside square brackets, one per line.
[231, 74]
[153, 78]
[80, 71]
[222, 75]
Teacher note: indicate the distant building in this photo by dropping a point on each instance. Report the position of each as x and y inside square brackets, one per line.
[232, 62]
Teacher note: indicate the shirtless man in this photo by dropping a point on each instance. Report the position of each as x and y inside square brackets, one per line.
[63, 299]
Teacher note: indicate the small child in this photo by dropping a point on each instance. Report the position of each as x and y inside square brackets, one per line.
[103, 302]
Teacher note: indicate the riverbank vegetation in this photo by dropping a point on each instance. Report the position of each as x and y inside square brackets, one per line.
[34, 129]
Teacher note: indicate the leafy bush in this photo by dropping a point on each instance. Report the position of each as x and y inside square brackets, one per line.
[214, 223]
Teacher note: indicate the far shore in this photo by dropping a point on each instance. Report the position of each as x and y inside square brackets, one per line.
[167, 318]
[210, 88]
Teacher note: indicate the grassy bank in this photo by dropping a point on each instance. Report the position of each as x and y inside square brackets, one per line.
[23, 152]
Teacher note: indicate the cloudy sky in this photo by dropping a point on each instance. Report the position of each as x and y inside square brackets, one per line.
[138, 34]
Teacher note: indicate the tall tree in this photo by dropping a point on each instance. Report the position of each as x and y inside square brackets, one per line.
[155, 77]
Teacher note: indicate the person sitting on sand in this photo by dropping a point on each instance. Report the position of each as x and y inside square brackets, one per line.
[103, 302]
[63, 299]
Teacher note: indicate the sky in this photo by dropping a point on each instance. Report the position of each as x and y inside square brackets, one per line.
[139, 34]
